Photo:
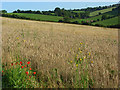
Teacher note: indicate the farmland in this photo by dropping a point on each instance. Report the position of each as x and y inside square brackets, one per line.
[97, 16]
[101, 11]
[38, 17]
[108, 22]
[88, 19]
[57, 47]
[108, 13]
[79, 11]
[112, 21]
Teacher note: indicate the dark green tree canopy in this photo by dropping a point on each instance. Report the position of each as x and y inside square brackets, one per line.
[3, 11]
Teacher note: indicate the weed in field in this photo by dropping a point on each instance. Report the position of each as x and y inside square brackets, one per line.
[81, 79]
[18, 75]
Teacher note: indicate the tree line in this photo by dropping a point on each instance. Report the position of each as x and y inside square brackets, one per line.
[68, 14]
[91, 9]
[57, 12]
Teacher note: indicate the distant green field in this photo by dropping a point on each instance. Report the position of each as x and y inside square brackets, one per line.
[39, 17]
[109, 13]
[53, 13]
[112, 13]
[79, 11]
[88, 19]
[102, 11]
[108, 22]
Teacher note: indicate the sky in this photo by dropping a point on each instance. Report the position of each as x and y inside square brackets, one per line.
[60, 0]
[45, 6]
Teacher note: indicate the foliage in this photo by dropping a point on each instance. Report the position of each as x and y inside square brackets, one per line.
[3, 11]
[75, 22]
[60, 21]
[108, 22]
[104, 17]
[97, 12]
[58, 11]
[18, 75]
[66, 19]
[37, 17]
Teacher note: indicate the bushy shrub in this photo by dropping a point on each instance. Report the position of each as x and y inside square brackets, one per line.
[98, 19]
[114, 26]
[60, 21]
[86, 23]
[99, 25]
[94, 21]
[75, 22]
[66, 19]
[18, 75]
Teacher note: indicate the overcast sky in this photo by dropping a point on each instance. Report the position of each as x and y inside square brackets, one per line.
[60, 0]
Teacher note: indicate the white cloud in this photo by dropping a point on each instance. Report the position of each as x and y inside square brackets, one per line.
[60, 0]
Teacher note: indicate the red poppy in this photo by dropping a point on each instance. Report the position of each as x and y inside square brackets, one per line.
[2, 71]
[25, 66]
[29, 76]
[26, 73]
[30, 69]
[20, 62]
[34, 72]
[28, 62]
[12, 64]
[22, 66]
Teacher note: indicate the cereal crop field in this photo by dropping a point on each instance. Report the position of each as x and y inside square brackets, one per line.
[58, 50]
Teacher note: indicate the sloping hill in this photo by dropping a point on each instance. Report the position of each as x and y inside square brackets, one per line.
[108, 22]
[106, 14]
[101, 11]
[38, 17]
[112, 13]
[88, 19]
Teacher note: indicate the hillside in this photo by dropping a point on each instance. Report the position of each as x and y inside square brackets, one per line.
[110, 14]
[71, 16]
[37, 17]
[101, 11]
[108, 22]
[87, 19]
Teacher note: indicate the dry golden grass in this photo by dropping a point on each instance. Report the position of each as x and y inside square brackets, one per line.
[52, 45]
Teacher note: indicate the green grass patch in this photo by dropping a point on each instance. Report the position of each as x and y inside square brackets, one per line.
[39, 17]
[102, 11]
[109, 14]
[108, 22]
[87, 19]
[18, 75]
[79, 11]
[52, 13]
